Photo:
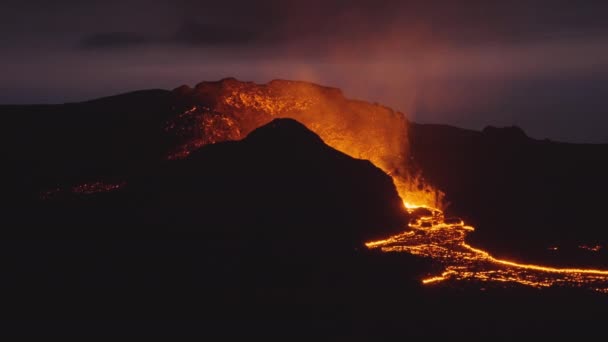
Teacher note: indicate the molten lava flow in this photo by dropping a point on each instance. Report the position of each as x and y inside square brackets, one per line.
[229, 110]
[432, 235]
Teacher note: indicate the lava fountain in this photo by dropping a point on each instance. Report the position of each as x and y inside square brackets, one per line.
[229, 110]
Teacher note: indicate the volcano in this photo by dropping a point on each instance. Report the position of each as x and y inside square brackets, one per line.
[214, 201]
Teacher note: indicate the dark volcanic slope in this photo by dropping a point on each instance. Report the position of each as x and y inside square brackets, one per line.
[512, 188]
[281, 175]
[523, 195]
[50, 145]
[261, 235]
[281, 182]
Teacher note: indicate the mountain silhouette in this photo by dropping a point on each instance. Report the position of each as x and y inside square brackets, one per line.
[280, 177]
[204, 211]
[523, 195]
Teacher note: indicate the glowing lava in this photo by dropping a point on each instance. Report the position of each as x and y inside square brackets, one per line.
[432, 235]
[230, 109]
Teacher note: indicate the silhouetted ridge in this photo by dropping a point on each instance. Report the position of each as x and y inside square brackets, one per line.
[280, 177]
[507, 134]
[281, 183]
[130, 97]
[287, 131]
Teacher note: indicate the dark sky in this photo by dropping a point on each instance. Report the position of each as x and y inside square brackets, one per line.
[542, 65]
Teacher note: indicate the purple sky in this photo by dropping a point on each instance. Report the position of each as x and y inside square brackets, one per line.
[542, 65]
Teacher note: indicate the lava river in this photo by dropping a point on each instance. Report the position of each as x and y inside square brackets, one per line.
[431, 235]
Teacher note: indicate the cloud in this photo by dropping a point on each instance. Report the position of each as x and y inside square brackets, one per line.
[189, 34]
[112, 40]
[204, 34]
[236, 23]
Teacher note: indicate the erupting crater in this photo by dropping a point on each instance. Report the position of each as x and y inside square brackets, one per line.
[229, 109]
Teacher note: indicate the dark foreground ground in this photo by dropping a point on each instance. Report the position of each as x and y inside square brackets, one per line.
[228, 288]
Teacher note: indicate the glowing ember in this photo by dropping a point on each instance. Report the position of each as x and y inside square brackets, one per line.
[432, 236]
[82, 189]
[594, 248]
[200, 126]
[96, 187]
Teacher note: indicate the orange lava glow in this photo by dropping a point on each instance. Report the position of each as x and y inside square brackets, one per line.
[430, 235]
[359, 129]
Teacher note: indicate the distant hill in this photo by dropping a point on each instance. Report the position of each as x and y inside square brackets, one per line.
[523, 195]
[57, 145]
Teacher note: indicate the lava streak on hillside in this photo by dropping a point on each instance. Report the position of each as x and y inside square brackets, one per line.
[82, 189]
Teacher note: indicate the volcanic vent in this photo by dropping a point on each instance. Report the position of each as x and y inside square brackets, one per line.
[229, 110]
